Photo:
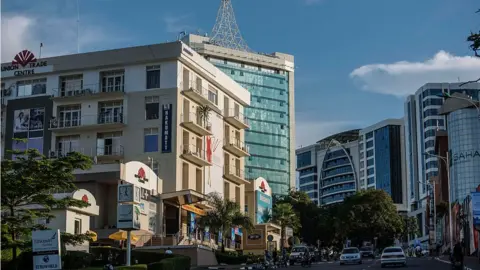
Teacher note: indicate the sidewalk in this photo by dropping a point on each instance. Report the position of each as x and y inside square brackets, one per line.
[470, 262]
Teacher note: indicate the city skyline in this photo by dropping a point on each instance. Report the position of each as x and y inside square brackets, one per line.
[370, 74]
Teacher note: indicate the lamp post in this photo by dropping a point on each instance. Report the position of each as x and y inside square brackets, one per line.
[431, 183]
[447, 95]
[446, 160]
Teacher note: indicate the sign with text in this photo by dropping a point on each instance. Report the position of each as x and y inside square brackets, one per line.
[476, 209]
[128, 193]
[46, 249]
[25, 63]
[167, 128]
[193, 209]
[128, 217]
[263, 206]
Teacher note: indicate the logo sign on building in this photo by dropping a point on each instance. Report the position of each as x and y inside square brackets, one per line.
[25, 63]
[128, 217]
[46, 249]
[193, 209]
[476, 209]
[264, 204]
[167, 128]
[466, 156]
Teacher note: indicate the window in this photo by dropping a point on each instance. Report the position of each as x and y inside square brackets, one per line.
[281, 103]
[232, 72]
[110, 112]
[67, 144]
[71, 85]
[154, 166]
[369, 162]
[259, 100]
[109, 143]
[150, 140]
[369, 153]
[281, 93]
[370, 171]
[281, 115]
[213, 95]
[152, 107]
[369, 135]
[241, 73]
[113, 81]
[281, 81]
[369, 144]
[69, 116]
[31, 87]
[77, 226]
[153, 77]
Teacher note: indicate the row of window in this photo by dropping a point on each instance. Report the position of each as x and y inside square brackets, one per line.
[433, 102]
[433, 123]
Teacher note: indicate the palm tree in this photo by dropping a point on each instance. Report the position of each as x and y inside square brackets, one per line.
[204, 113]
[224, 216]
[284, 215]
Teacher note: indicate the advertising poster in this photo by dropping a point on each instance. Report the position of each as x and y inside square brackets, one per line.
[21, 121]
[128, 217]
[476, 209]
[264, 203]
[152, 221]
[37, 119]
[46, 249]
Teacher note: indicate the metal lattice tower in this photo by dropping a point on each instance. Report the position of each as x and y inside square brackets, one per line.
[225, 32]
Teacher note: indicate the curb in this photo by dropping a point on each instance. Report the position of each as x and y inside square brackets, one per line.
[214, 267]
[448, 262]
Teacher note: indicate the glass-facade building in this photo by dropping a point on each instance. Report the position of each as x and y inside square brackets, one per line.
[463, 127]
[381, 154]
[268, 115]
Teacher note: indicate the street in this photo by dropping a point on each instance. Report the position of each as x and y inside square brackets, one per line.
[369, 264]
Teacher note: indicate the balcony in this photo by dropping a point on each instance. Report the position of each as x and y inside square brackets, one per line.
[103, 121]
[109, 153]
[236, 119]
[236, 147]
[235, 175]
[200, 95]
[195, 155]
[89, 91]
[196, 124]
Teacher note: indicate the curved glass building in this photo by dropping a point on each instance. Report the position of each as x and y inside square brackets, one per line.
[338, 178]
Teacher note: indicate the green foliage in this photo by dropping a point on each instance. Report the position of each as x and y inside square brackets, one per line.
[32, 179]
[204, 113]
[175, 263]
[106, 255]
[225, 215]
[77, 260]
[411, 227]
[442, 209]
[230, 258]
[284, 215]
[133, 267]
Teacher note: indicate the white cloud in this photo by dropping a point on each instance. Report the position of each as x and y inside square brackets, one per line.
[404, 78]
[177, 24]
[310, 131]
[58, 34]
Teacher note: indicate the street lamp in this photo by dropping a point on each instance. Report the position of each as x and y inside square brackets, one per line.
[431, 183]
[447, 95]
[446, 160]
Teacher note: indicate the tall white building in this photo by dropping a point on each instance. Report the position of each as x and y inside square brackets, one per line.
[421, 122]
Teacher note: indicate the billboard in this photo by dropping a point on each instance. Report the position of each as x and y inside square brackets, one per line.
[476, 209]
[26, 120]
[263, 199]
[46, 249]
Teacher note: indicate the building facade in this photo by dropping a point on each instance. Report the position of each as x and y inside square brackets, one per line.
[382, 155]
[422, 120]
[271, 114]
[162, 105]
[329, 169]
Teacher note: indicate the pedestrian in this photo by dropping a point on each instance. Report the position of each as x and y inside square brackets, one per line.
[168, 251]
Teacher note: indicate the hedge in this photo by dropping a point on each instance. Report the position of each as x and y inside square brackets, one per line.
[178, 262]
[77, 260]
[132, 267]
[230, 258]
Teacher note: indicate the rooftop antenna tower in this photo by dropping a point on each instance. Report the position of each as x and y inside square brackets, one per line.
[225, 32]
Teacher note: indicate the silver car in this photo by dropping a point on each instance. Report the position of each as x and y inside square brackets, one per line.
[350, 256]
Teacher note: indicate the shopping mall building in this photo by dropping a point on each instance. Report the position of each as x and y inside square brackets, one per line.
[159, 116]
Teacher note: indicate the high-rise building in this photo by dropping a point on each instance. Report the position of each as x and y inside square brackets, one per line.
[329, 169]
[162, 105]
[382, 155]
[270, 80]
[422, 120]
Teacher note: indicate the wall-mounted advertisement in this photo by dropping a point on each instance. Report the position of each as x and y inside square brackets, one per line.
[27, 120]
[476, 209]
[264, 205]
[128, 217]
[46, 249]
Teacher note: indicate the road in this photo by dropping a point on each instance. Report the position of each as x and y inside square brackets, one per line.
[412, 263]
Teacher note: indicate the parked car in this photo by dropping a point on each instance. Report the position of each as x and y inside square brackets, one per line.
[350, 255]
[393, 256]
[296, 255]
[367, 252]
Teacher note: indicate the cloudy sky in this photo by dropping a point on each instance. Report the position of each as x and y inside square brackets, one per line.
[356, 59]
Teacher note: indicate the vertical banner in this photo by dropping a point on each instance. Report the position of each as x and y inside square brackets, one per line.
[476, 209]
[167, 128]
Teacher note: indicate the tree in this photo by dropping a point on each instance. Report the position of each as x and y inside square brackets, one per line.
[204, 113]
[224, 216]
[442, 209]
[474, 39]
[369, 214]
[411, 227]
[31, 179]
[284, 215]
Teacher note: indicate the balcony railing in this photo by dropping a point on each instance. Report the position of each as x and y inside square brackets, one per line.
[196, 123]
[236, 118]
[110, 150]
[78, 90]
[104, 151]
[200, 94]
[195, 154]
[235, 174]
[236, 147]
[86, 120]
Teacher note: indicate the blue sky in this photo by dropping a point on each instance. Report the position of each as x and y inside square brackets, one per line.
[355, 59]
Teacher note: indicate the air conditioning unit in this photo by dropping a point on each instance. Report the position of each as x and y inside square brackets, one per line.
[52, 154]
